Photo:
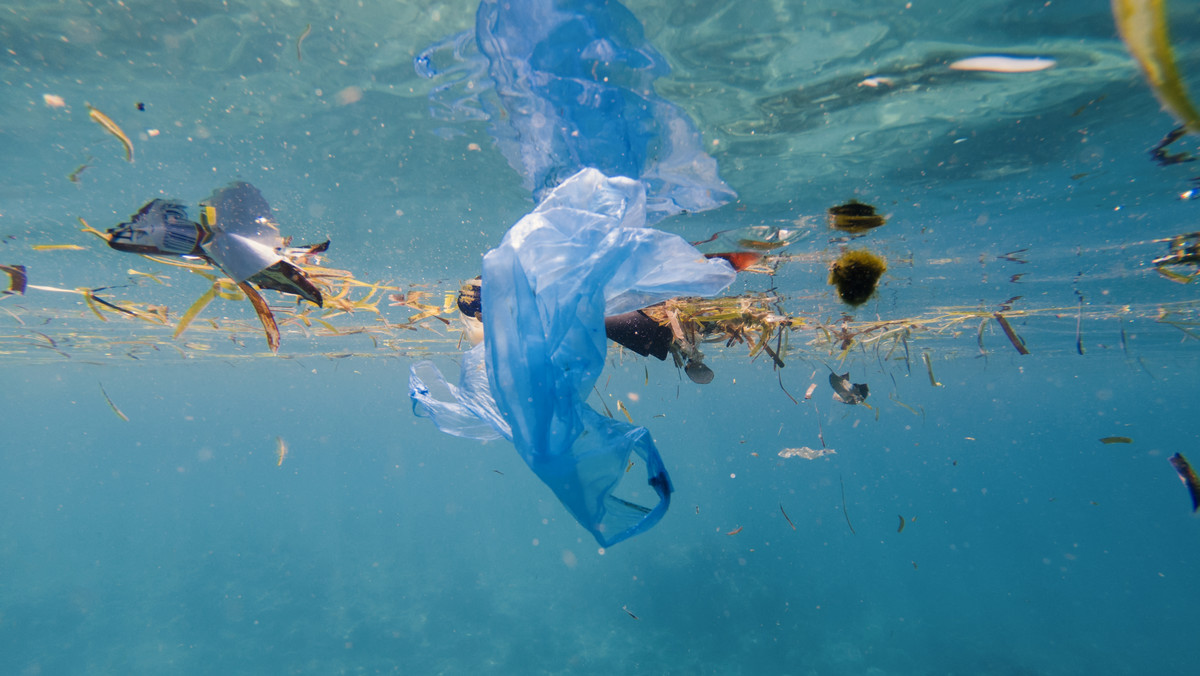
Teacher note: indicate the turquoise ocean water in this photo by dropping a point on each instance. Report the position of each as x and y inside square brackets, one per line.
[174, 542]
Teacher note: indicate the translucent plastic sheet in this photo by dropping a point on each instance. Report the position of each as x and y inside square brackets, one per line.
[244, 235]
[584, 252]
[575, 87]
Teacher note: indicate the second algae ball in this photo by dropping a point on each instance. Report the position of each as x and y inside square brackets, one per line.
[855, 275]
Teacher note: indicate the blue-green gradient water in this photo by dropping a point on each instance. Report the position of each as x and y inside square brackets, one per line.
[175, 543]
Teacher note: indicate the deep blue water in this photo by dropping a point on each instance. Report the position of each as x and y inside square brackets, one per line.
[173, 543]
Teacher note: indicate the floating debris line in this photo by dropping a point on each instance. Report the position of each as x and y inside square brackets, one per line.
[422, 320]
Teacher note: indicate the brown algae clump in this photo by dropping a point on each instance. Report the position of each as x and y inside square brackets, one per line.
[854, 217]
[855, 275]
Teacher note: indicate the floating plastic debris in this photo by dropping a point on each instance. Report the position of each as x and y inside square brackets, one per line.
[846, 391]
[571, 85]
[17, 278]
[236, 233]
[1002, 63]
[744, 247]
[584, 253]
[806, 453]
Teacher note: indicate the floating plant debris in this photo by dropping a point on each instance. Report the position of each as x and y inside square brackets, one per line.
[300, 41]
[785, 515]
[264, 315]
[112, 128]
[1116, 440]
[1143, 26]
[1181, 250]
[113, 406]
[854, 217]
[74, 175]
[1013, 338]
[855, 275]
[622, 409]
[1188, 476]
[845, 513]
[1162, 157]
[929, 367]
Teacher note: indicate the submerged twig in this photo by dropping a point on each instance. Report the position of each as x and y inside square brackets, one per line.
[1012, 335]
[789, 519]
[844, 512]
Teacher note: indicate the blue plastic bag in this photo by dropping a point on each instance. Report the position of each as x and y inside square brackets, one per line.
[570, 84]
[584, 252]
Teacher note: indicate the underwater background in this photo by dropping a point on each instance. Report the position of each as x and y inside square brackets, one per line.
[971, 520]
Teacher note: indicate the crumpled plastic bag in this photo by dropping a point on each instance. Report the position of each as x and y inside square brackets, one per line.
[574, 81]
[583, 253]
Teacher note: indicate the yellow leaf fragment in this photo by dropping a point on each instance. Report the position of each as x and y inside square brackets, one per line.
[622, 409]
[201, 303]
[112, 128]
[264, 315]
[1143, 26]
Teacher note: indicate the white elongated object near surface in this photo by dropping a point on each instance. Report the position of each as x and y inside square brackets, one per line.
[1000, 63]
